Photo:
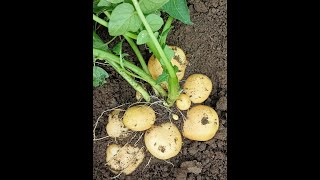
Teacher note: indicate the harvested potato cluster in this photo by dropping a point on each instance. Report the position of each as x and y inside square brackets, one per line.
[124, 159]
[163, 141]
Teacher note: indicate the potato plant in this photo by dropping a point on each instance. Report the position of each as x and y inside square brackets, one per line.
[140, 23]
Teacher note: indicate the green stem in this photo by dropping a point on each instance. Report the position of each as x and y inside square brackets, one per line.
[107, 14]
[130, 80]
[105, 24]
[138, 54]
[100, 21]
[172, 80]
[165, 28]
[100, 54]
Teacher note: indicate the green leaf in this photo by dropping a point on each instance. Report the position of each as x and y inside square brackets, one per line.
[143, 37]
[175, 68]
[115, 1]
[99, 76]
[104, 3]
[123, 19]
[163, 77]
[96, 8]
[154, 21]
[118, 48]
[98, 43]
[149, 6]
[179, 10]
[168, 52]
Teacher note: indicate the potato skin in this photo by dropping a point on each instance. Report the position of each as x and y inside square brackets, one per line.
[198, 87]
[183, 102]
[179, 59]
[125, 159]
[115, 128]
[139, 118]
[163, 141]
[202, 123]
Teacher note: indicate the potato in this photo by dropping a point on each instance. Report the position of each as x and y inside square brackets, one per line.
[139, 118]
[198, 87]
[115, 128]
[179, 59]
[183, 102]
[163, 141]
[123, 159]
[175, 117]
[138, 96]
[202, 123]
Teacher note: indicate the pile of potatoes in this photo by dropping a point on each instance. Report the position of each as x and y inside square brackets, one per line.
[163, 141]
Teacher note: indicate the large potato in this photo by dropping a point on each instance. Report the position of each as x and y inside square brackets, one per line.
[179, 59]
[123, 159]
[198, 87]
[139, 118]
[163, 141]
[115, 128]
[202, 123]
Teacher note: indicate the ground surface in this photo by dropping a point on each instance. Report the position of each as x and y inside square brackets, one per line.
[205, 44]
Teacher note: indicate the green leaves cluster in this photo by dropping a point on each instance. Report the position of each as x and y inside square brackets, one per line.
[124, 19]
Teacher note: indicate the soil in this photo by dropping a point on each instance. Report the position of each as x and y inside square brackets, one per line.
[205, 45]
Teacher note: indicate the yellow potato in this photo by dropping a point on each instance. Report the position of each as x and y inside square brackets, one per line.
[183, 102]
[163, 141]
[202, 123]
[123, 159]
[179, 59]
[115, 128]
[139, 118]
[198, 87]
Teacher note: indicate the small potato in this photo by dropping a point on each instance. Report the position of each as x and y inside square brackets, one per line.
[179, 59]
[115, 128]
[198, 87]
[123, 159]
[139, 118]
[163, 141]
[202, 123]
[183, 102]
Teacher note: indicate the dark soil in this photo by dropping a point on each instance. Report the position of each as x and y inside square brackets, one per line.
[205, 44]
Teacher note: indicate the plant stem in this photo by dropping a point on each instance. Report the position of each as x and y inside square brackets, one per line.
[107, 14]
[165, 28]
[172, 80]
[130, 80]
[138, 54]
[100, 21]
[100, 54]
[105, 24]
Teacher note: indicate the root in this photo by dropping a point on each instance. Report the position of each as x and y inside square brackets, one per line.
[183, 117]
[147, 163]
[98, 139]
[114, 177]
[135, 144]
[169, 162]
